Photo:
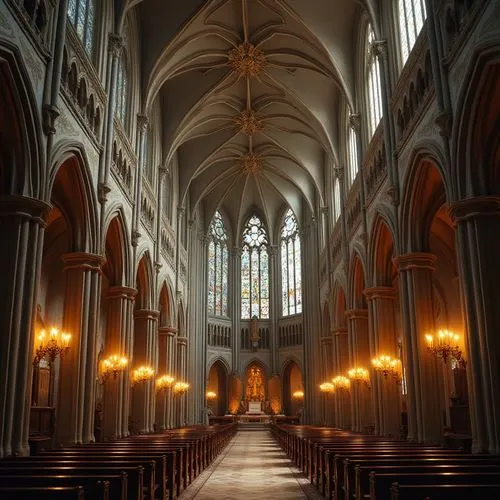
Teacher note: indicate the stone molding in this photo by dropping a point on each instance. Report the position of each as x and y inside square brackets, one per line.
[479, 206]
[416, 260]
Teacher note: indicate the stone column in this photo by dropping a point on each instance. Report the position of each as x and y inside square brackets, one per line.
[145, 353]
[120, 303]
[424, 401]
[78, 366]
[359, 355]
[341, 364]
[478, 224]
[182, 375]
[275, 285]
[21, 230]
[236, 309]
[164, 397]
[327, 355]
[383, 340]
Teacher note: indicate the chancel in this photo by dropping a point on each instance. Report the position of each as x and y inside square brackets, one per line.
[249, 249]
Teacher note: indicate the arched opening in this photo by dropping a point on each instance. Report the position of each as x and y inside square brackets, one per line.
[292, 387]
[218, 384]
[255, 388]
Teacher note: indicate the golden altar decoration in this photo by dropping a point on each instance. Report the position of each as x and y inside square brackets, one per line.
[255, 385]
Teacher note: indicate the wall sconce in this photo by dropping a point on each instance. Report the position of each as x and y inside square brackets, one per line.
[388, 366]
[142, 374]
[342, 383]
[164, 382]
[211, 395]
[56, 343]
[327, 387]
[359, 375]
[113, 365]
[298, 395]
[445, 345]
[180, 388]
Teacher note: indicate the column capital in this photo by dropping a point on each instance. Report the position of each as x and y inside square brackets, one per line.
[146, 314]
[125, 292]
[479, 206]
[416, 260]
[379, 48]
[355, 121]
[380, 292]
[357, 313]
[83, 260]
[23, 206]
[182, 341]
[237, 251]
[168, 331]
[115, 44]
[339, 172]
[142, 122]
[326, 340]
[342, 330]
[273, 250]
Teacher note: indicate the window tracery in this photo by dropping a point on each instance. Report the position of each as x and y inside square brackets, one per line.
[121, 90]
[254, 270]
[336, 200]
[81, 14]
[217, 267]
[411, 16]
[352, 150]
[291, 269]
[373, 84]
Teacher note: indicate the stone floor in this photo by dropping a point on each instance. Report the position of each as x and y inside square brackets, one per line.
[252, 467]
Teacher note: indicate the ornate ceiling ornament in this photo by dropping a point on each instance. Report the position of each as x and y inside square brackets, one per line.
[246, 60]
[251, 163]
[249, 122]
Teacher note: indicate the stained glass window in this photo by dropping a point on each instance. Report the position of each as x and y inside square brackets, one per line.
[352, 154]
[373, 84]
[217, 267]
[121, 90]
[81, 14]
[412, 15]
[336, 199]
[291, 270]
[254, 271]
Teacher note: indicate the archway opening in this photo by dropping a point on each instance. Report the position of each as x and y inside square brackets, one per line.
[292, 384]
[218, 384]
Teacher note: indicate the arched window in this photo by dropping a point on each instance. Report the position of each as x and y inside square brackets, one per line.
[217, 267]
[336, 199]
[352, 152]
[121, 90]
[373, 84]
[411, 20]
[291, 277]
[81, 14]
[254, 271]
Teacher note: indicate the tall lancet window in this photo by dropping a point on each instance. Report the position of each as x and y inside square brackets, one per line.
[121, 103]
[373, 84]
[411, 20]
[291, 277]
[352, 154]
[336, 200]
[81, 14]
[254, 271]
[217, 267]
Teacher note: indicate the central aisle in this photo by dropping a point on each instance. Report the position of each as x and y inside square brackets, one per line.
[253, 467]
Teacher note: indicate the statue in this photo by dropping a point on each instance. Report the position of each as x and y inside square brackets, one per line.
[255, 385]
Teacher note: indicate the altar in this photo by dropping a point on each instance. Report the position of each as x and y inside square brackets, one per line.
[254, 408]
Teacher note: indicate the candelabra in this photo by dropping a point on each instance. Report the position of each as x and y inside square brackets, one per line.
[164, 382]
[326, 387]
[142, 374]
[113, 365]
[445, 345]
[180, 388]
[388, 366]
[359, 375]
[56, 343]
[341, 383]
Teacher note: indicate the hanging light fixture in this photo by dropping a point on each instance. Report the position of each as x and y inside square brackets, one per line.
[142, 374]
[113, 365]
[444, 345]
[388, 366]
[51, 345]
[164, 382]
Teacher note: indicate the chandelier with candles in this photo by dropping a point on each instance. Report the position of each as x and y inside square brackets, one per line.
[113, 365]
[388, 366]
[445, 345]
[142, 374]
[50, 345]
[164, 382]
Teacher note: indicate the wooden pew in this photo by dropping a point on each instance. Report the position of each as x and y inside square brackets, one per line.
[444, 491]
[31, 493]
[92, 487]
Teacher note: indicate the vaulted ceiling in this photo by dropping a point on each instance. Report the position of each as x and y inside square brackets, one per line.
[250, 93]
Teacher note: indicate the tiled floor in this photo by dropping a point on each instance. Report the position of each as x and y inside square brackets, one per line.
[252, 467]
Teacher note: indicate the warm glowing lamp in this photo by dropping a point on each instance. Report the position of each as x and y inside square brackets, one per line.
[51, 345]
[342, 383]
[444, 345]
[113, 365]
[142, 374]
[388, 366]
[298, 394]
[359, 375]
[327, 387]
[211, 395]
[180, 388]
[164, 382]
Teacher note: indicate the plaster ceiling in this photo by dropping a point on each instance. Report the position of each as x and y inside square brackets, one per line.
[250, 93]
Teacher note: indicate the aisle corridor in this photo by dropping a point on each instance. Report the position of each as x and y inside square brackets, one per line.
[252, 467]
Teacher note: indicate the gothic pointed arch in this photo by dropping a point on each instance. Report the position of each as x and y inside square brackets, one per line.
[117, 248]
[381, 251]
[166, 305]
[144, 282]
